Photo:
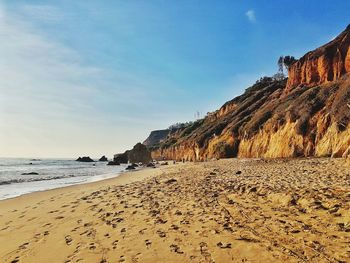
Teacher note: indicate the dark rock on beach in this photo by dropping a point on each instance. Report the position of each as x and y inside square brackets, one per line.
[130, 167]
[121, 157]
[139, 154]
[113, 163]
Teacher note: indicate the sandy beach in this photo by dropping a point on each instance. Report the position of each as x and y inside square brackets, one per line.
[230, 210]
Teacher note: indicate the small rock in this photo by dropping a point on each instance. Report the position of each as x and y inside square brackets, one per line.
[31, 173]
[113, 163]
[130, 167]
[171, 181]
[224, 245]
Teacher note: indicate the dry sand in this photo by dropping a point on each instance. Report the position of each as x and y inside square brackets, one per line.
[220, 211]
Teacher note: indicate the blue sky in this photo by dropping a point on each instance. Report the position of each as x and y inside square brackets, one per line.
[95, 77]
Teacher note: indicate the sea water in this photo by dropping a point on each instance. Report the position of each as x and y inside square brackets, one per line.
[51, 173]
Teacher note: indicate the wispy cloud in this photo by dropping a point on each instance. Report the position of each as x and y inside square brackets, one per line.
[251, 15]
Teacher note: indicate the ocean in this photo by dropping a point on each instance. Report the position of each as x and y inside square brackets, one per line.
[15, 179]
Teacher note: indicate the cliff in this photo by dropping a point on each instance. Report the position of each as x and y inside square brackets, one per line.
[156, 137]
[322, 65]
[305, 115]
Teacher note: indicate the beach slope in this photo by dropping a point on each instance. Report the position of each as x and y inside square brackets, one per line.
[220, 211]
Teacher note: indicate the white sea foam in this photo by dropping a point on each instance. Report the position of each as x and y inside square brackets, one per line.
[15, 180]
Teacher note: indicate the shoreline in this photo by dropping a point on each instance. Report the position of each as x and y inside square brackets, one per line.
[17, 177]
[119, 179]
[227, 210]
[72, 185]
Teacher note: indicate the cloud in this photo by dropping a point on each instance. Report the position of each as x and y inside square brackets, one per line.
[251, 15]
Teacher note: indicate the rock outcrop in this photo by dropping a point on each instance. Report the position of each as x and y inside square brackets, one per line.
[103, 159]
[121, 157]
[324, 64]
[156, 137]
[139, 154]
[305, 115]
[113, 163]
[85, 159]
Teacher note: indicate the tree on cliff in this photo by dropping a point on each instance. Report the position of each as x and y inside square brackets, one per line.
[288, 61]
[284, 62]
[280, 64]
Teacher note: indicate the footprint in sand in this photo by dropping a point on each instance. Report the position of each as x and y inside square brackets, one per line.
[175, 248]
[142, 231]
[4, 228]
[224, 245]
[92, 246]
[148, 243]
[135, 259]
[68, 240]
[114, 244]
[15, 260]
[161, 233]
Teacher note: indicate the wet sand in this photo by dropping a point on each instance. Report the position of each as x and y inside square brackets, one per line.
[220, 211]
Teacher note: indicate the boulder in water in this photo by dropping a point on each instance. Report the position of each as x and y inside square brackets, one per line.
[103, 159]
[31, 173]
[85, 159]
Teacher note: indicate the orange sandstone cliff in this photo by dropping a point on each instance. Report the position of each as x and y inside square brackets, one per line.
[305, 115]
[324, 64]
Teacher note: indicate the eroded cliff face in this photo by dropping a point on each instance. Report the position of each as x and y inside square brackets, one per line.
[306, 115]
[325, 64]
[156, 137]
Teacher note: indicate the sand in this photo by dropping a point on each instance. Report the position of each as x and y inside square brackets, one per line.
[219, 211]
